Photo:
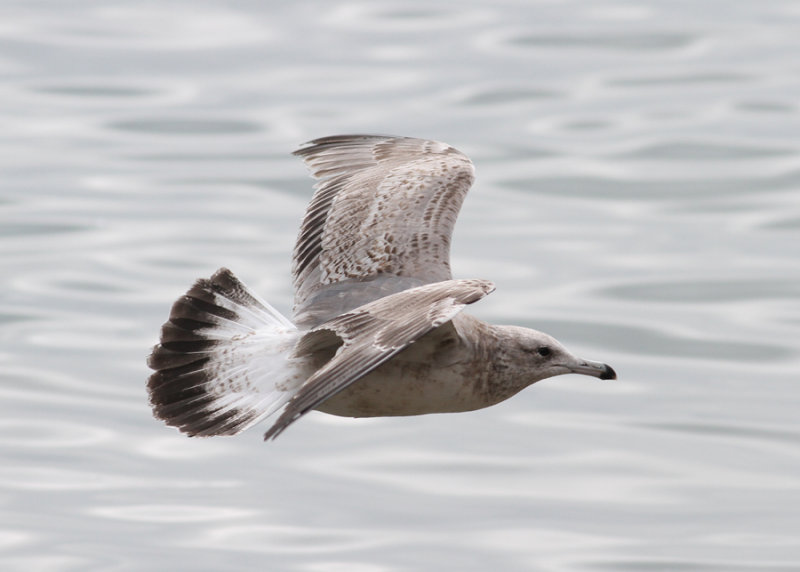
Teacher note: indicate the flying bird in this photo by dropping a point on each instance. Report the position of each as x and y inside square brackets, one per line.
[377, 326]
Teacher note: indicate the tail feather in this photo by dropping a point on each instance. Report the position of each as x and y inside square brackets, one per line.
[225, 360]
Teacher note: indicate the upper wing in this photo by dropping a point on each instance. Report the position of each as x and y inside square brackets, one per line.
[372, 334]
[383, 205]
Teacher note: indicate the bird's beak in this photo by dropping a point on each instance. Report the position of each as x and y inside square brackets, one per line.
[593, 368]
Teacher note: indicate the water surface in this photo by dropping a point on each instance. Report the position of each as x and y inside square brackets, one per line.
[637, 197]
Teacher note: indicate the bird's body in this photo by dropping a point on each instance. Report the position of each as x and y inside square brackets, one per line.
[377, 328]
[445, 371]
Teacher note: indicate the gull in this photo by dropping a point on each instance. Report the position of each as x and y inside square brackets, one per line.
[377, 326]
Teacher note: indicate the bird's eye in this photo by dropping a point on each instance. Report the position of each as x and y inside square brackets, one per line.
[544, 351]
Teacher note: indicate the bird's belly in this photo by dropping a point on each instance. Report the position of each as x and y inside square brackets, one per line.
[403, 388]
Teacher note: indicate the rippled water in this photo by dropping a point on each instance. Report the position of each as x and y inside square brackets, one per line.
[638, 196]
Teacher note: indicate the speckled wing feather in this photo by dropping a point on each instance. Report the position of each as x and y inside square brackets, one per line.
[383, 205]
[372, 334]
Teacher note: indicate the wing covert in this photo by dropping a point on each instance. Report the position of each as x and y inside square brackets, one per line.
[383, 205]
[374, 333]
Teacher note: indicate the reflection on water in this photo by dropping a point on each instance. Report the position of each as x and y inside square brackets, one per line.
[708, 292]
[636, 196]
[623, 41]
[83, 91]
[170, 513]
[187, 126]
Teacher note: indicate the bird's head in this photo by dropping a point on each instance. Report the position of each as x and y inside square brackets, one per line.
[536, 356]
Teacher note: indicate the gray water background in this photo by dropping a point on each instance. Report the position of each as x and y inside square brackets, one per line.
[637, 196]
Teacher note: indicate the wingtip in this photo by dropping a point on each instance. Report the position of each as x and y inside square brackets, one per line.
[337, 140]
[271, 435]
[280, 425]
[475, 289]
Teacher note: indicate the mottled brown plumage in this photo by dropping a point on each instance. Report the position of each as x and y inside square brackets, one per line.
[382, 206]
[377, 327]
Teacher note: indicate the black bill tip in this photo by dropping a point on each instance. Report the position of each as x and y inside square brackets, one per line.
[608, 372]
